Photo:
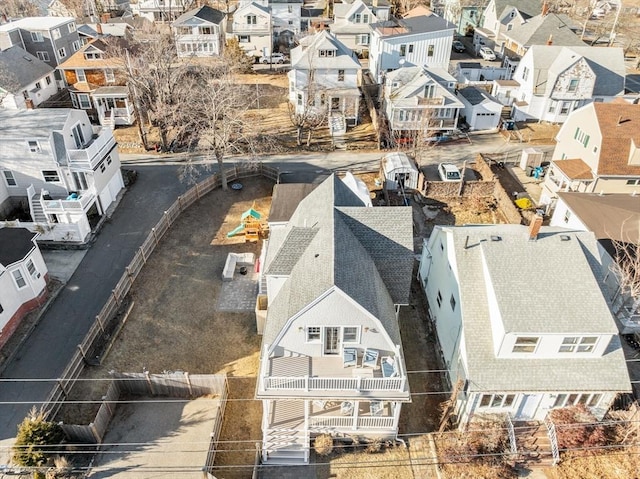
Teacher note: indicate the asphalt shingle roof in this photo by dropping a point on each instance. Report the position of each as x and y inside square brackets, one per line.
[552, 285]
[205, 13]
[334, 241]
[619, 124]
[21, 68]
[15, 244]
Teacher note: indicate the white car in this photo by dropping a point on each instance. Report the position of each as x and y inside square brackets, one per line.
[449, 172]
[487, 53]
[274, 58]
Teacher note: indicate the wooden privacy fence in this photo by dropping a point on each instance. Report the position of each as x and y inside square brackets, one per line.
[173, 385]
[106, 320]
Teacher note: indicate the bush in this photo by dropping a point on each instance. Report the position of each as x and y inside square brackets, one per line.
[34, 434]
[577, 428]
[323, 444]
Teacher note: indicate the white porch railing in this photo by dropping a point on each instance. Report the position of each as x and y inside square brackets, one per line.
[74, 206]
[308, 383]
[246, 27]
[89, 156]
[318, 423]
[553, 439]
[512, 437]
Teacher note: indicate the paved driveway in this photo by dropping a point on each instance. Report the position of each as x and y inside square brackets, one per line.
[62, 328]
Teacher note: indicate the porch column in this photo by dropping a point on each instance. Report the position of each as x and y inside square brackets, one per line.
[306, 414]
[396, 414]
[356, 410]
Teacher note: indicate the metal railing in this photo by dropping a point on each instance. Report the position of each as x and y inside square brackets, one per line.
[512, 437]
[553, 439]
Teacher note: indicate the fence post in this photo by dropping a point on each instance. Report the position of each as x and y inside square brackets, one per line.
[129, 275]
[155, 235]
[186, 376]
[149, 382]
[84, 356]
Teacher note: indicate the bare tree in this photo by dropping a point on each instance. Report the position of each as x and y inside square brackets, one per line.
[217, 114]
[626, 267]
[18, 8]
[310, 110]
[8, 82]
[158, 80]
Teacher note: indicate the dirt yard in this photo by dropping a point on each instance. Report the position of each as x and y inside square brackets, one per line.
[268, 115]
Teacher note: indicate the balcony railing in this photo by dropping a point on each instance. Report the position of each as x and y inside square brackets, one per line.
[319, 423]
[76, 205]
[93, 152]
[309, 383]
[250, 28]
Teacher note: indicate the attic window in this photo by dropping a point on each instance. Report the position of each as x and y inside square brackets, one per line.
[93, 55]
[327, 53]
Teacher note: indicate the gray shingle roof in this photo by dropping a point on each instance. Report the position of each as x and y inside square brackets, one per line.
[543, 286]
[528, 8]
[21, 68]
[539, 29]
[365, 252]
[37, 123]
[15, 244]
[205, 13]
[305, 56]
[549, 61]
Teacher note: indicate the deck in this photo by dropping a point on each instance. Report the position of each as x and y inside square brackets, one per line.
[313, 377]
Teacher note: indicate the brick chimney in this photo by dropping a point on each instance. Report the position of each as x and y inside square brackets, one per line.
[534, 227]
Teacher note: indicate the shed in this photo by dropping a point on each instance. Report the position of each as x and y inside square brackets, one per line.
[398, 169]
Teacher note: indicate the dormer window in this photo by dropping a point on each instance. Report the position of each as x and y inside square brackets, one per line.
[577, 344]
[526, 344]
[327, 53]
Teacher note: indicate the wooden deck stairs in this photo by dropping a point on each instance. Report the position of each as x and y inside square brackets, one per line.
[534, 445]
[285, 447]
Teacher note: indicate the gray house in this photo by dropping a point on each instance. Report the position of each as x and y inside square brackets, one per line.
[27, 81]
[331, 361]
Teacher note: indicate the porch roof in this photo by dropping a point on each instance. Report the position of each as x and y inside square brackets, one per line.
[111, 91]
[574, 169]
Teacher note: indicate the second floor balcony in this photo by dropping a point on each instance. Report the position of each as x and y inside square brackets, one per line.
[310, 376]
[93, 151]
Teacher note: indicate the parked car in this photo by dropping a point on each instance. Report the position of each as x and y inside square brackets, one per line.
[458, 46]
[449, 172]
[487, 53]
[274, 58]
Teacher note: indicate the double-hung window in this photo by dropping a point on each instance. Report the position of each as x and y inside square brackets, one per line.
[18, 278]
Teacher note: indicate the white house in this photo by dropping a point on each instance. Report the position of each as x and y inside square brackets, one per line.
[614, 219]
[251, 24]
[286, 15]
[481, 110]
[500, 16]
[553, 81]
[352, 20]
[23, 278]
[420, 38]
[596, 151]
[325, 75]
[199, 32]
[419, 99]
[522, 320]
[162, 11]
[26, 81]
[331, 360]
[66, 170]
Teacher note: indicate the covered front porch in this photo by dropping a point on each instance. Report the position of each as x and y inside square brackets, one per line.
[113, 106]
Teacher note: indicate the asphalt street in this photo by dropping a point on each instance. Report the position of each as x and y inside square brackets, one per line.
[64, 325]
